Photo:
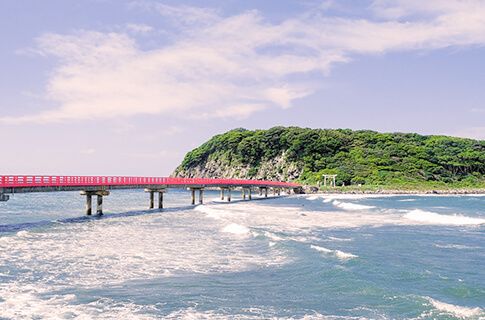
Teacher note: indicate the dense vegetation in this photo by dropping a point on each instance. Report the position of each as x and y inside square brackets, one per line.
[357, 157]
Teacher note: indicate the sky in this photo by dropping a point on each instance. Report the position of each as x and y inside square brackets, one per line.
[127, 87]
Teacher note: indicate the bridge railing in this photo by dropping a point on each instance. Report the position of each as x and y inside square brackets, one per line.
[25, 181]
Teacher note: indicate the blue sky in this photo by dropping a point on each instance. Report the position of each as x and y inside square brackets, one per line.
[128, 87]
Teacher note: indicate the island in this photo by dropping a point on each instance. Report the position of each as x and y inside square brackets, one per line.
[362, 160]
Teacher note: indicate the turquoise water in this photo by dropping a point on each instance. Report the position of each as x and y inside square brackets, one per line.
[298, 257]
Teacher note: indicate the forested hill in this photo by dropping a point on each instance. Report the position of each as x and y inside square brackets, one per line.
[357, 157]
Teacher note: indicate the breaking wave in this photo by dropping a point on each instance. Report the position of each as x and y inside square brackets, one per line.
[429, 217]
[458, 311]
[350, 206]
[337, 253]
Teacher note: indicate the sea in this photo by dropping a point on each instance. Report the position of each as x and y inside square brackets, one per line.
[291, 257]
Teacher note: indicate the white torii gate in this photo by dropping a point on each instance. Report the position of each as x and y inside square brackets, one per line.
[331, 178]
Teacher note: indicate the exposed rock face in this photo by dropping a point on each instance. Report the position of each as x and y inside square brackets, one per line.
[277, 168]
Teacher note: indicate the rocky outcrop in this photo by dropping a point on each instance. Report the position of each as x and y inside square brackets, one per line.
[277, 168]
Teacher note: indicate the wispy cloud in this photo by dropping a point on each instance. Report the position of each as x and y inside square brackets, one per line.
[471, 132]
[88, 151]
[139, 27]
[233, 66]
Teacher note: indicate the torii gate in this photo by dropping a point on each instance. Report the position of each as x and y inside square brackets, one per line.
[331, 177]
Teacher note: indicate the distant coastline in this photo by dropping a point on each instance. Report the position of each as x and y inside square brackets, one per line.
[394, 191]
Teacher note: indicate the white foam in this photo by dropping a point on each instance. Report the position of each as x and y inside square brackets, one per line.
[251, 314]
[339, 239]
[273, 236]
[458, 311]
[23, 233]
[428, 217]
[313, 197]
[344, 255]
[235, 228]
[341, 255]
[455, 246]
[321, 249]
[350, 206]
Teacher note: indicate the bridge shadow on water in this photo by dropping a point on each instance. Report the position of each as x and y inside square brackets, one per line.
[16, 227]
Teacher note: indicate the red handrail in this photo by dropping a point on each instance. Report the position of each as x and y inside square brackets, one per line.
[23, 181]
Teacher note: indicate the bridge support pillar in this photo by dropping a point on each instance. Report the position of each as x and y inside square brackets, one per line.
[260, 192]
[152, 197]
[229, 195]
[99, 204]
[222, 193]
[160, 199]
[89, 204]
[244, 193]
[279, 191]
[201, 195]
[89, 200]
[265, 192]
[249, 194]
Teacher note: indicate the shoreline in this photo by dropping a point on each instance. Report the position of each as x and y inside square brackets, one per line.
[400, 191]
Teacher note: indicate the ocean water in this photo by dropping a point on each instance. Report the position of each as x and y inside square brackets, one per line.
[297, 257]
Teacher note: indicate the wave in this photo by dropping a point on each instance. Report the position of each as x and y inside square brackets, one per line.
[273, 236]
[235, 228]
[458, 311]
[313, 198]
[350, 206]
[454, 246]
[429, 217]
[251, 313]
[339, 254]
[339, 239]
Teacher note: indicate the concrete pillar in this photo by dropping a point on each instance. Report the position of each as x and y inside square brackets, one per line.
[160, 199]
[89, 204]
[99, 207]
[151, 199]
[244, 193]
[229, 195]
[193, 196]
[99, 204]
[201, 196]
[265, 192]
[222, 193]
[260, 192]
[249, 194]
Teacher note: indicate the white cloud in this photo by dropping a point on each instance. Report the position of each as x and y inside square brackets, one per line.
[181, 14]
[139, 28]
[471, 132]
[237, 65]
[88, 151]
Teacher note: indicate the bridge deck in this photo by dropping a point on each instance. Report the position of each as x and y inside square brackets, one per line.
[21, 184]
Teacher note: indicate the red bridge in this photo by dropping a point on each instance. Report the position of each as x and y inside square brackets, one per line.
[100, 186]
